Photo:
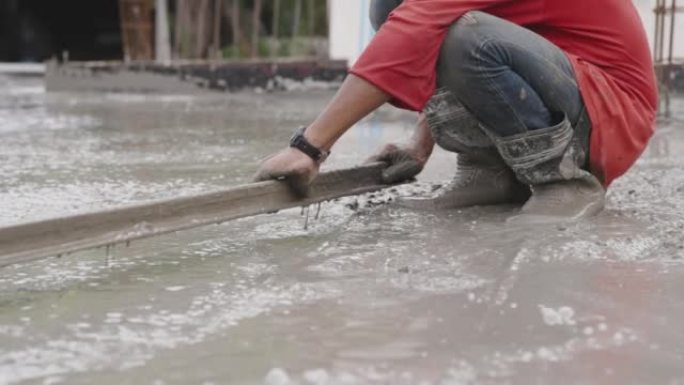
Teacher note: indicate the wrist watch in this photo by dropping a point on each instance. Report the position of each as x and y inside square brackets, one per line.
[299, 142]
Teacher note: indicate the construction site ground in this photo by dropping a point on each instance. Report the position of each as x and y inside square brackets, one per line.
[368, 293]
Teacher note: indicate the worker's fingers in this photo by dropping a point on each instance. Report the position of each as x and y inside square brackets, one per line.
[291, 166]
[384, 155]
[402, 167]
[401, 172]
[299, 184]
[297, 181]
[265, 174]
[260, 176]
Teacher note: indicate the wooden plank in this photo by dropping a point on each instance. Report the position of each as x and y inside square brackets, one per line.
[32, 241]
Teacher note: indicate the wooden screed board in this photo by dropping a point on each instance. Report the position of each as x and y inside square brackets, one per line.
[54, 237]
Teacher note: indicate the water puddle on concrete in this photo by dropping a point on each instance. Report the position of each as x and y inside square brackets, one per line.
[372, 294]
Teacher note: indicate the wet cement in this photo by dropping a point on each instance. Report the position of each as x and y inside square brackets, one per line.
[368, 294]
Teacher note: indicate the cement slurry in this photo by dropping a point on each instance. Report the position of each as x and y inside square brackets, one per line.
[368, 294]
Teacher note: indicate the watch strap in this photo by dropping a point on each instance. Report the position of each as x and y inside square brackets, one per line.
[299, 142]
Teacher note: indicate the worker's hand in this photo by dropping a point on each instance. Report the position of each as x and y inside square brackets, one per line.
[292, 166]
[403, 162]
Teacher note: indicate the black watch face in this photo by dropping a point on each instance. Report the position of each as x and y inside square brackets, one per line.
[295, 138]
[303, 145]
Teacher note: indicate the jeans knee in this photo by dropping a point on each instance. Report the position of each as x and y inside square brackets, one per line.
[453, 127]
[465, 36]
[380, 10]
[462, 49]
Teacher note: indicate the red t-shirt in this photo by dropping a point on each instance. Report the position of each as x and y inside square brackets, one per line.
[605, 41]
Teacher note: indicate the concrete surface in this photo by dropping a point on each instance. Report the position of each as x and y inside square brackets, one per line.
[31, 69]
[369, 294]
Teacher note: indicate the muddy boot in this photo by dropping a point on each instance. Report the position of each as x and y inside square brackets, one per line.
[563, 201]
[481, 179]
[550, 160]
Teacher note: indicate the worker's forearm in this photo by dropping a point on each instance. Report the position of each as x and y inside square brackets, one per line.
[355, 99]
[422, 141]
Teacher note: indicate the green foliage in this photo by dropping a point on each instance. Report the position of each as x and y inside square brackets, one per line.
[264, 48]
[287, 16]
[284, 48]
[312, 22]
[231, 52]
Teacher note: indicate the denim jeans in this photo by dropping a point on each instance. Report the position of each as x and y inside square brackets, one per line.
[509, 78]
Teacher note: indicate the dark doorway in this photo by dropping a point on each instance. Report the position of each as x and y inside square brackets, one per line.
[35, 30]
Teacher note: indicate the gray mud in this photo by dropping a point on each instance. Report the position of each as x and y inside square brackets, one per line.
[369, 294]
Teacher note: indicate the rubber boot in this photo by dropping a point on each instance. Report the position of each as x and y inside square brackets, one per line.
[481, 179]
[550, 160]
[563, 201]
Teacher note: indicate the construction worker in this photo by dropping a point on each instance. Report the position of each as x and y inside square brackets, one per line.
[545, 101]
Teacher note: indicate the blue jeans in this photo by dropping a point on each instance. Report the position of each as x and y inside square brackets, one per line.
[509, 78]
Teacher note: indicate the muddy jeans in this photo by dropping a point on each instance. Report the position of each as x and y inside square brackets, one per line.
[512, 80]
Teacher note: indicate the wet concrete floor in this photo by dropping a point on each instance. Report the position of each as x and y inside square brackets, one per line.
[376, 295]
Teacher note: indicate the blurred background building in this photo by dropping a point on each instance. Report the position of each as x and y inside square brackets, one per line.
[35, 30]
[182, 30]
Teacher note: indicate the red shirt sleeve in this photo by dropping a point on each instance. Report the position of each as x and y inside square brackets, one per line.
[401, 59]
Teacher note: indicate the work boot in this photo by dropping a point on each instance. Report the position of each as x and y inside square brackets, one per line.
[482, 179]
[562, 201]
[550, 160]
